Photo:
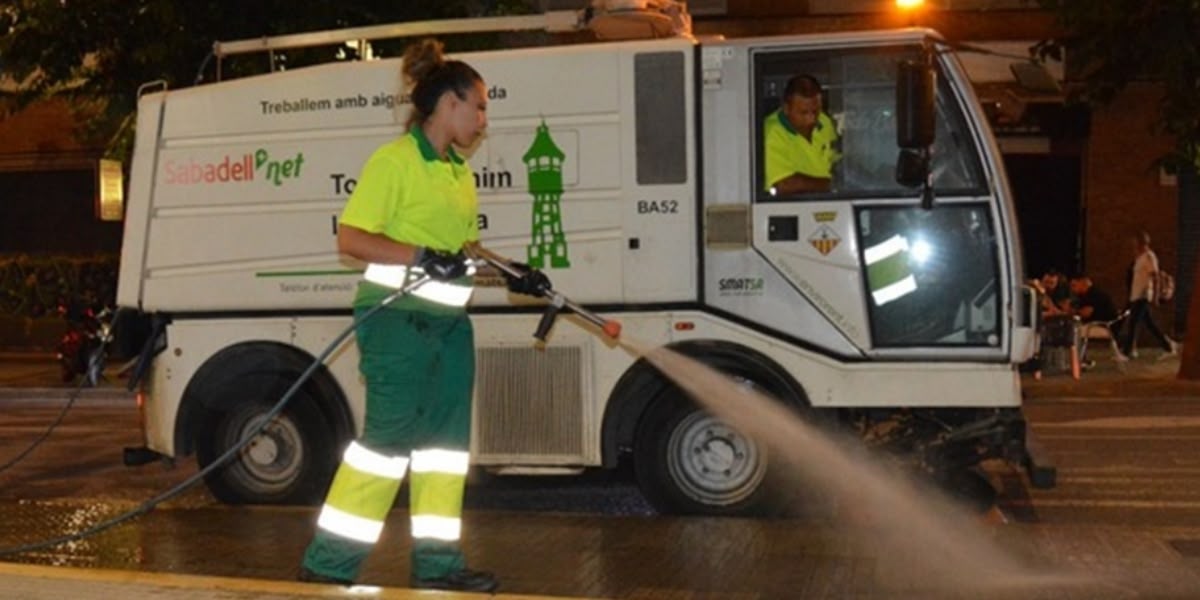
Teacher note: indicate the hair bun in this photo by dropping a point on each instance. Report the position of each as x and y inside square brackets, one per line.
[421, 58]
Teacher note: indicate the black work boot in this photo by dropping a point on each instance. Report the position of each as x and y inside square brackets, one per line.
[309, 576]
[463, 580]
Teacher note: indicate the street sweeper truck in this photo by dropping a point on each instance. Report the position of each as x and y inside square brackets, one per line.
[891, 303]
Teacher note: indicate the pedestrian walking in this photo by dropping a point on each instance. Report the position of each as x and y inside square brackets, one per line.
[1142, 275]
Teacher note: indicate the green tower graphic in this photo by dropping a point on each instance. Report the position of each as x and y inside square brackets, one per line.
[543, 160]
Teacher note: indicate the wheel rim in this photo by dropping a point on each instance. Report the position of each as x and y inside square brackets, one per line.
[712, 462]
[274, 457]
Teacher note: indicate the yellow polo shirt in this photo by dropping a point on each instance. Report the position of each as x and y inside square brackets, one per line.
[786, 152]
[410, 194]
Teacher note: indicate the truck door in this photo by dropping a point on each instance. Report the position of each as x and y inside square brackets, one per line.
[895, 279]
[913, 280]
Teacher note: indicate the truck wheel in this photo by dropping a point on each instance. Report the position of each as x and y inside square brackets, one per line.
[291, 461]
[689, 462]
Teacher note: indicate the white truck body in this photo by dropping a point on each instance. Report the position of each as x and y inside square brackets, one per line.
[236, 187]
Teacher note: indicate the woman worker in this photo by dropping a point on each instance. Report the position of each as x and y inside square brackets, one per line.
[413, 212]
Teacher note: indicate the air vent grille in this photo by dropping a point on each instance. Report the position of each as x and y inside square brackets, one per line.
[529, 401]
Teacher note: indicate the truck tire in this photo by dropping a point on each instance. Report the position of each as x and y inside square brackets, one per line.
[689, 462]
[290, 462]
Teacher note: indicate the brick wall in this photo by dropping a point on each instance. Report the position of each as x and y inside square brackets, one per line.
[42, 137]
[1122, 191]
[44, 126]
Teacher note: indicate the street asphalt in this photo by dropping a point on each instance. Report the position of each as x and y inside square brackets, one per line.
[31, 375]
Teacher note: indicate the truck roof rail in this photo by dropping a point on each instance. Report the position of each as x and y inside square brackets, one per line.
[552, 21]
[561, 21]
[607, 19]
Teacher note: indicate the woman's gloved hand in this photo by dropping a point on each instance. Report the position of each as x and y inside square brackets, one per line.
[441, 266]
[531, 281]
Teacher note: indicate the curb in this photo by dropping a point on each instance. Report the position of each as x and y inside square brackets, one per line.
[103, 396]
[77, 582]
[29, 356]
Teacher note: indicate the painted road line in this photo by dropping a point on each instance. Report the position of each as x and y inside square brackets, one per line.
[87, 396]
[1127, 422]
[1048, 502]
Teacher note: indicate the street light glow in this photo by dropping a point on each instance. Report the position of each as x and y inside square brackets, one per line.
[909, 4]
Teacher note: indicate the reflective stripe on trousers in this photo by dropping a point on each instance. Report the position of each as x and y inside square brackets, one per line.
[438, 477]
[362, 494]
[365, 488]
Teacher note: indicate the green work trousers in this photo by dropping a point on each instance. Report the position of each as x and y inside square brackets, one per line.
[419, 368]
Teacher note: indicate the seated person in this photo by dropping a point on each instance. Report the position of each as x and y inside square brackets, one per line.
[799, 141]
[1091, 303]
[1055, 295]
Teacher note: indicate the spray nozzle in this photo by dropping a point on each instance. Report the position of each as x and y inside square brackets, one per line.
[612, 329]
[557, 301]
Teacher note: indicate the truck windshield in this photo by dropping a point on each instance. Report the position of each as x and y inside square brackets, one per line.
[858, 90]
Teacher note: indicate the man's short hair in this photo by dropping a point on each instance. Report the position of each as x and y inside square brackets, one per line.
[805, 86]
[1142, 236]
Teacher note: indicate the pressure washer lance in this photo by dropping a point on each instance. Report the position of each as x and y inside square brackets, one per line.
[557, 302]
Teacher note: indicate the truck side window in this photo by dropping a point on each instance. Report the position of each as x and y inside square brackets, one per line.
[858, 96]
[931, 275]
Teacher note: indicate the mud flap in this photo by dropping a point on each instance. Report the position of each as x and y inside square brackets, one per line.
[1042, 474]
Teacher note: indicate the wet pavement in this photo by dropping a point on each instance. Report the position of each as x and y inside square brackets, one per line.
[663, 558]
[1124, 521]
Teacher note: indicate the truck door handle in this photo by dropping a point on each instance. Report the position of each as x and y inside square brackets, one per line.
[783, 229]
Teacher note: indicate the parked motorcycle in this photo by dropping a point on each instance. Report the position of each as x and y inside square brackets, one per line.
[81, 347]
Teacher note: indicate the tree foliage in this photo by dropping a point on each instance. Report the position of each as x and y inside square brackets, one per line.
[1109, 43]
[106, 49]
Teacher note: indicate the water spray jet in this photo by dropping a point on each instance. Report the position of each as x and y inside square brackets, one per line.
[936, 545]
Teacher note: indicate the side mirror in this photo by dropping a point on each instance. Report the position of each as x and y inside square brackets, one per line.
[915, 111]
[912, 167]
[915, 125]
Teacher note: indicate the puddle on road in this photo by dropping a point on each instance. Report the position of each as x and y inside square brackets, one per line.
[32, 522]
[196, 540]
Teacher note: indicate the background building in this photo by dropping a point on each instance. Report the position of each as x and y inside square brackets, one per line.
[1084, 180]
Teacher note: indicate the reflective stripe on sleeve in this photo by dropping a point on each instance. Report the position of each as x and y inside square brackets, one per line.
[453, 462]
[393, 276]
[444, 292]
[368, 461]
[442, 528]
[349, 526]
[441, 292]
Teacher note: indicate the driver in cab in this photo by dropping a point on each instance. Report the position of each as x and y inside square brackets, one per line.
[800, 141]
